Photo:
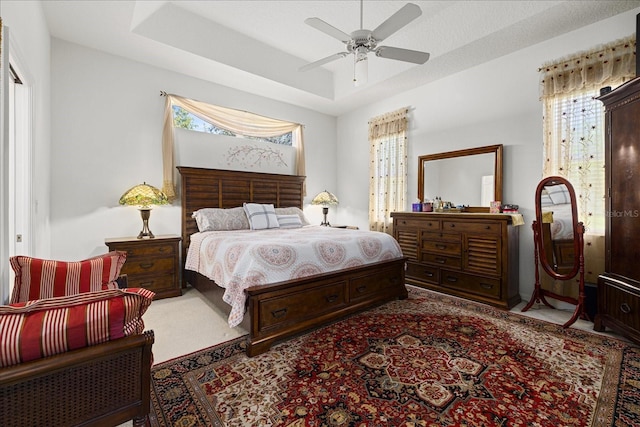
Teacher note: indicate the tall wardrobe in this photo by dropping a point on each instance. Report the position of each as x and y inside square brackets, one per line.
[618, 292]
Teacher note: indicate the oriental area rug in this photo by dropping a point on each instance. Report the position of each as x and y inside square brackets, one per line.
[429, 360]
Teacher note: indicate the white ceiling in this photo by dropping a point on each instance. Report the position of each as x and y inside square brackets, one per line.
[258, 46]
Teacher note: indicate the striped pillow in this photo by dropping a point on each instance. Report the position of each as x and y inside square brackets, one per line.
[36, 329]
[40, 278]
[261, 216]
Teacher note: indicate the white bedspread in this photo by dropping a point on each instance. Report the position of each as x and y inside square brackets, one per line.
[239, 259]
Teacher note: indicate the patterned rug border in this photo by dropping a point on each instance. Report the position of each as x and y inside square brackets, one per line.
[603, 414]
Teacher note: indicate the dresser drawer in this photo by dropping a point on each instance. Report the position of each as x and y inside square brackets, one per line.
[442, 248]
[475, 284]
[149, 265]
[441, 260]
[306, 304]
[425, 273]
[472, 227]
[438, 236]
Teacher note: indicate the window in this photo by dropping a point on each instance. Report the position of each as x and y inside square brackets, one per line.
[574, 122]
[576, 152]
[388, 168]
[186, 120]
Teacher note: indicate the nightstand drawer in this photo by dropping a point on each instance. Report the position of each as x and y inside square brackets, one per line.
[149, 250]
[149, 265]
[157, 284]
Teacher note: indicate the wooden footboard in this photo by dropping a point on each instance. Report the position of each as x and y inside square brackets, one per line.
[288, 308]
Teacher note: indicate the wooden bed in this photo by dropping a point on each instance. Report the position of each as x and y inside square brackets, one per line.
[287, 308]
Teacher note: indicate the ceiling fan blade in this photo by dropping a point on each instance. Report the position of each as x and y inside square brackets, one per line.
[323, 61]
[399, 54]
[402, 17]
[329, 29]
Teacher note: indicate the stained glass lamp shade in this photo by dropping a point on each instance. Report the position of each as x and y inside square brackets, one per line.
[325, 199]
[144, 196]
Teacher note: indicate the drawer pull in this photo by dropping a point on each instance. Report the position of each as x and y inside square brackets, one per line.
[146, 284]
[361, 289]
[488, 227]
[146, 265]
[331, 298]
[162, 249]
[429, 224]
[624, 307]
[279, 313]
[441, 260]
[428, 273]
[452, 225]
[441, 246]
[486, 286]
[452, 279]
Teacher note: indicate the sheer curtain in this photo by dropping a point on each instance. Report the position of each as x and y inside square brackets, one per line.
[237, 121]
[573, 125]
[388, 168]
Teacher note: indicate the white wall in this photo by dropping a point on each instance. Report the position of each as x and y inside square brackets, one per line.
[107, 122]
[493, 103]
[29, 39]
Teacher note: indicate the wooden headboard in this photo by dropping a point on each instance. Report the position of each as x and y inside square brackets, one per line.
[216, 188]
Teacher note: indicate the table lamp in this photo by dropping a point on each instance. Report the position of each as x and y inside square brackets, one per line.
[144, 196]
[325, 199]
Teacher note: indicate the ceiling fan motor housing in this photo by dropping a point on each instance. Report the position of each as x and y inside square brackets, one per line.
[361, 38]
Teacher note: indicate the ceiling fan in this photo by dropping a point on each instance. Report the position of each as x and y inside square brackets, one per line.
[362, 41]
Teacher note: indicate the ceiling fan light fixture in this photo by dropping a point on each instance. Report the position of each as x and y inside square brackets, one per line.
[360, 67]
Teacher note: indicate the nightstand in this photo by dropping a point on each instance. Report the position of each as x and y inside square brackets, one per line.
[152, 264]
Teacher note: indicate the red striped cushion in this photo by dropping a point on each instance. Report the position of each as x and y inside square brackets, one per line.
[40, 278]
[46, 327]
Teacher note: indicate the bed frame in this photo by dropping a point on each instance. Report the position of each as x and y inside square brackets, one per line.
[287, 308]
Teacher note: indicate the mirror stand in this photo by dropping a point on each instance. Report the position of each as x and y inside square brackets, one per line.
[539, 293]
[560, 252]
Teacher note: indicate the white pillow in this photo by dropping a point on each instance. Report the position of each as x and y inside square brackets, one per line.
[293, 210]
[289, 221]
[261, 216]
[217, 219]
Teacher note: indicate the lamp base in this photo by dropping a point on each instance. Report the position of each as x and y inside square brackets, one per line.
[325, 211]
[145, 232]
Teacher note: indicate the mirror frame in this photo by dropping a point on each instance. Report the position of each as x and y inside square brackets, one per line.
[578, 230]
[497, 181]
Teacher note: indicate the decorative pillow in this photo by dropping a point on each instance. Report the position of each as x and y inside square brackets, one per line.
[289, 221]
[40, 278]
[559, 194]
[217, 219]
[293, 210]
[35, 329]
[261, 216]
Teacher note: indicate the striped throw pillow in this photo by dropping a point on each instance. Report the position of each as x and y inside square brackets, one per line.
[40, 278]
[261, 216]
[35, 329]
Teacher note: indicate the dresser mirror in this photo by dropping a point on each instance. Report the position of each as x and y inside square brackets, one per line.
[470, 177]
[559, 243]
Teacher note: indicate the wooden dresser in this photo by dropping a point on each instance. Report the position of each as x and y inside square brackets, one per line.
[469, 255]
[618, 295]
[152, 264]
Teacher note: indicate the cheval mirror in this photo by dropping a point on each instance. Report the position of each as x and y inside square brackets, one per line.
[559, 243]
